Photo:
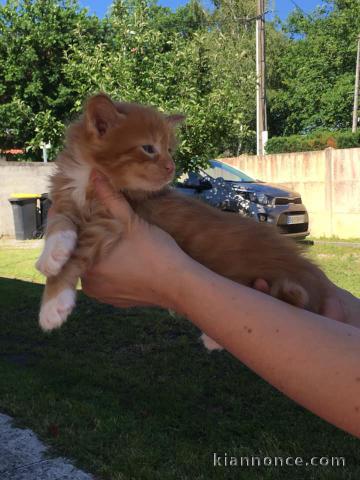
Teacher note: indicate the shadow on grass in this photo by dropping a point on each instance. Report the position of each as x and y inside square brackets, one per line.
[132, 394]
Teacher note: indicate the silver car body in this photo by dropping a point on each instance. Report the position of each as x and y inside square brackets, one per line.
[265, 202]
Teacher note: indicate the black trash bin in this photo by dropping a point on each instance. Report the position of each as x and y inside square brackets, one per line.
[45, 204]
[25, 215]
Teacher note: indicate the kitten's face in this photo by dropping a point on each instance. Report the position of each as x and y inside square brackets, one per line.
[130, 143]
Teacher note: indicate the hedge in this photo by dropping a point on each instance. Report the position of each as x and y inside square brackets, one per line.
[317, 140]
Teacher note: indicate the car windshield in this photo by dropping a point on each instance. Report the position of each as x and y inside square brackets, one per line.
[229, 174]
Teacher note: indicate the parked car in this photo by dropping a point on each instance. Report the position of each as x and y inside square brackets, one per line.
[230, 189]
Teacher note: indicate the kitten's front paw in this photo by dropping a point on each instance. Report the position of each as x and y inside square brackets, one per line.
[55, 311]
[209, 343]
[57, 251]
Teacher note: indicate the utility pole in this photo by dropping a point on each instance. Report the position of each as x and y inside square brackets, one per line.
[261, 117]
[356, 91]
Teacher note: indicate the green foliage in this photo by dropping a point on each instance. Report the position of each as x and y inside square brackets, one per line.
[200, 62]
[316, 70]
[46, 128]
[35, 36]
[318, 140]
[177, 62]
[141, 52]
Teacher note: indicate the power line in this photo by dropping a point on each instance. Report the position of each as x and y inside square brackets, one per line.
[299, 8]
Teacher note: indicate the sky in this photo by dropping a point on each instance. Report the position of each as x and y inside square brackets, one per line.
[279, 7]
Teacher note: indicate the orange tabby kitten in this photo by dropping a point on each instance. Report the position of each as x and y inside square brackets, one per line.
[132, 144]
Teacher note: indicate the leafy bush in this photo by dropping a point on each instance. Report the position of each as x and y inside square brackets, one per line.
[318, 140]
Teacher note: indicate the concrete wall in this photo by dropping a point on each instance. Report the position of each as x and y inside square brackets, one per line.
[328, 181]
[18, 177]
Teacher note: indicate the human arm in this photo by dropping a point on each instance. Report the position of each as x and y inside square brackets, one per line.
[310, 358]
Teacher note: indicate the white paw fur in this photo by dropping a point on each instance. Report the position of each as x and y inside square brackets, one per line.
[55, 311]
[209, 343]
[57, 251]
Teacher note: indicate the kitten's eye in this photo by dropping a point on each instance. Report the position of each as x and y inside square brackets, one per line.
[149, 149]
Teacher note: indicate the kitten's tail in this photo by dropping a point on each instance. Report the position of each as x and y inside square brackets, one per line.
[290, 292]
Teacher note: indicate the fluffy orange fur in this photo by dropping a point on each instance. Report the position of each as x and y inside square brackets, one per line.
[132, 145]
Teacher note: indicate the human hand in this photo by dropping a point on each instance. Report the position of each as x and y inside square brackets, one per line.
[339, 304]
[142, 268]
[150, 261]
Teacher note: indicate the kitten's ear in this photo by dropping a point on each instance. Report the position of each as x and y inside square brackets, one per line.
[175, 119]
[101, 114]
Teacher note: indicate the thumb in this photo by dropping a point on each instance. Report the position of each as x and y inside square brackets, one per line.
[113, 201]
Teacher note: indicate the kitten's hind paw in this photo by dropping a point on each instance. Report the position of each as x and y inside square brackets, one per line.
[290, 292]
[209, 343]
[57, 251]
[55, 311]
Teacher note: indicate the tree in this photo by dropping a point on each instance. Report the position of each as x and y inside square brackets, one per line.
[194, 61]
[316, 70]
[35, 36]
[175, 62]
[232, 46]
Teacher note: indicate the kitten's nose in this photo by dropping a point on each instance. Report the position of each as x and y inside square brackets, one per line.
[170, 167]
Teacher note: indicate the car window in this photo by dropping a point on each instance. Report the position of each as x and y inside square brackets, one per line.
[218, 169]
[190, 178]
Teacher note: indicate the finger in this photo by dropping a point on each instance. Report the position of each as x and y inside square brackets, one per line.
[113, 201]
[261, 285]
[334, 309]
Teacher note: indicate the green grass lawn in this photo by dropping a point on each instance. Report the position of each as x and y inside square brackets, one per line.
[131, 394]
